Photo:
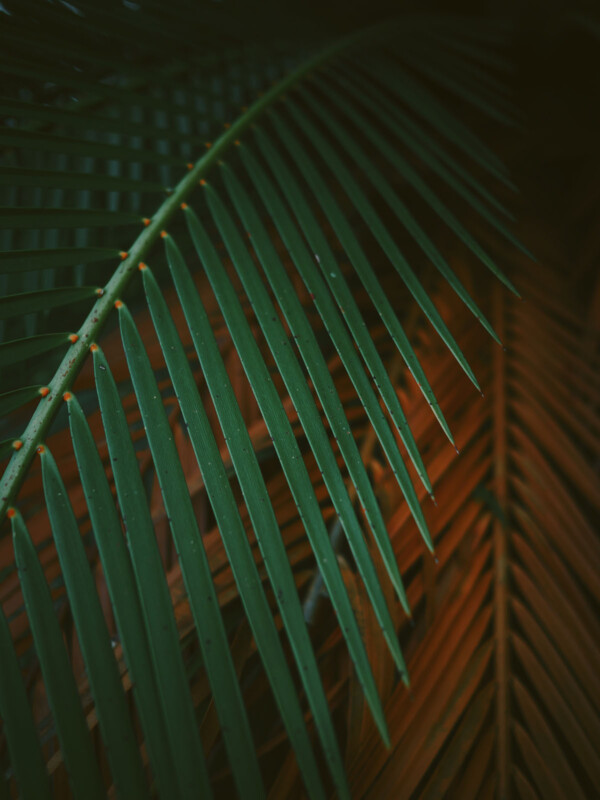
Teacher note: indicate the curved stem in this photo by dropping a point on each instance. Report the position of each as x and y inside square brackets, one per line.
[75, 356]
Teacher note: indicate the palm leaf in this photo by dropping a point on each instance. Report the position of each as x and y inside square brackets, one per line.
[168, 666]
[60, 684]
[508, 585]
[64, 220]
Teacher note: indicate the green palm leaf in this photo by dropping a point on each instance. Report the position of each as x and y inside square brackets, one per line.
[81, 174]
[256, 496]
[94, 638]
[234, 537]
[24, 747]
[288, 452]
[195, 568]
[183, 740]
[60, 684]
[124, 595]
[29, 302]
[317, 369]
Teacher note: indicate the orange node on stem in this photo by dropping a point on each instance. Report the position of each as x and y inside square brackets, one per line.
[73, 338]
[93, 347]
[118, 303]
[146, 221]
[227, 125]
[67, 396]
[99, 292]
[183, 206]
[123, 254]
[208, 145]
[17, 444]
[142, 266]
[11, 512]
[190, 165]
[163, 234]
[202, 182]
[44, 391]
[237, 143]
[40, 449]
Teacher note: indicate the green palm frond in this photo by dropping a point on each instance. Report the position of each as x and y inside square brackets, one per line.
[310, 174]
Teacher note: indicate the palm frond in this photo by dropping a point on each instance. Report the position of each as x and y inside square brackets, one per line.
[504, 668]
[284, 307]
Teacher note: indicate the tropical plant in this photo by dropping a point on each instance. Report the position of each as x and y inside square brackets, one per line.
[252, 436]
